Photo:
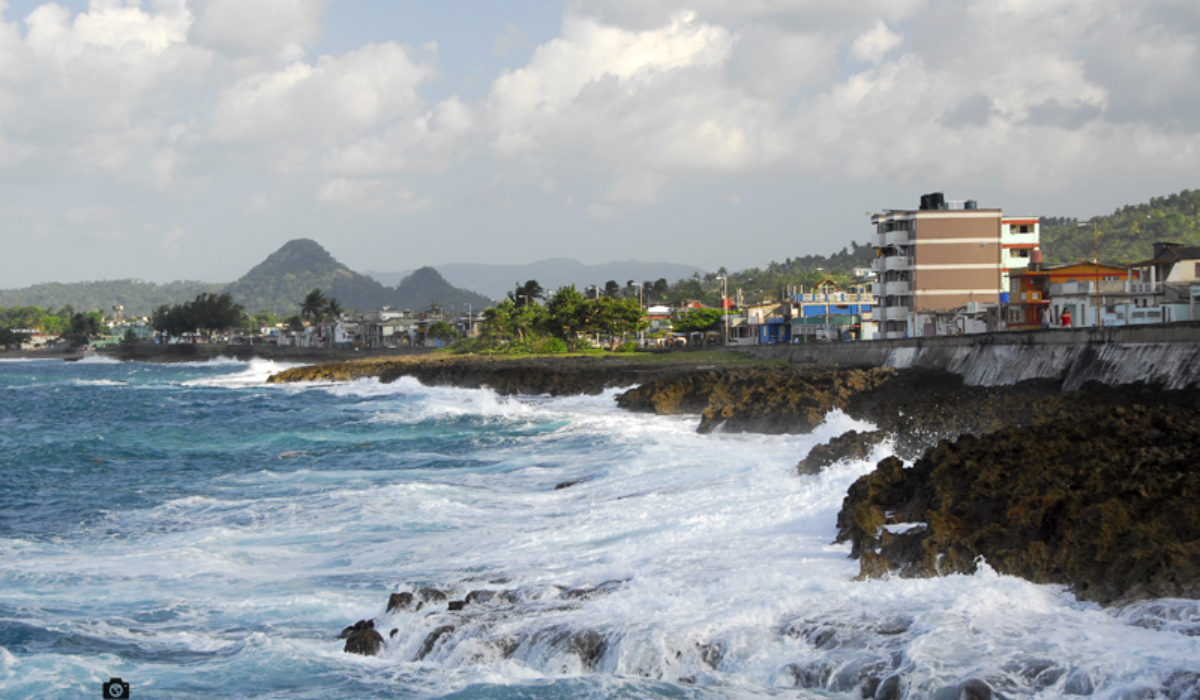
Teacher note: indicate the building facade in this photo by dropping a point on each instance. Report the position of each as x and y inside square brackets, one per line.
[944, 256]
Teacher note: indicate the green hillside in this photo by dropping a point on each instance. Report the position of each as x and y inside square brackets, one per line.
[139, 298]
[1128, 234]
[426, 287]
[280, 282]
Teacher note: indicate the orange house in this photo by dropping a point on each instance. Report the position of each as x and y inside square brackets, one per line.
[1029, 290]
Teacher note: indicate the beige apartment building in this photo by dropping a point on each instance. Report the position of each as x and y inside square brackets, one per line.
[941, 257]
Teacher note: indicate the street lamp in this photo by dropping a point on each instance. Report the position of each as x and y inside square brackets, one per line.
[724, 307]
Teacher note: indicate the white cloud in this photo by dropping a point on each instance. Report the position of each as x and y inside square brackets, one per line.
[590, 66]
[370, 194]
[254, 28]
[874, 44]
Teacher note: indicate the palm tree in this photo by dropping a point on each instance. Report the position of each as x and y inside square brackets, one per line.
[314, 305]
[528, 293]
[333, 308]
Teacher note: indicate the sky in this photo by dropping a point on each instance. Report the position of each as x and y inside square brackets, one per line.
[188, 139]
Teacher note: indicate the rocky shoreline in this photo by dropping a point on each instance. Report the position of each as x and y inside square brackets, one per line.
[1097, 488]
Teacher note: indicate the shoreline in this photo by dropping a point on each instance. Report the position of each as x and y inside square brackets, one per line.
[1042, 482]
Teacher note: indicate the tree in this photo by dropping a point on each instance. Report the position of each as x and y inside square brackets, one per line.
[698, 320]
[9, 337]
[314, 305]
[84, 326]
[568, 313]
[332, 308]
[207, 313]
[616, 317]
[527, 294]
[440, 330]
[612, 289]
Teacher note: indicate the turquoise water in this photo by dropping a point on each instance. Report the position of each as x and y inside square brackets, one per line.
[197, 532]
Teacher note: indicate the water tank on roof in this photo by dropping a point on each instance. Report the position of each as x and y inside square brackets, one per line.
[933, 201]
[971, 204]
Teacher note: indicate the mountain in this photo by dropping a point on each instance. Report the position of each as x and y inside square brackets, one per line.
[425, 287]
[495, 281]
[281, 282]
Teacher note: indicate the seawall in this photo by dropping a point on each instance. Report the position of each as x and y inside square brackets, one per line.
[1163, 355]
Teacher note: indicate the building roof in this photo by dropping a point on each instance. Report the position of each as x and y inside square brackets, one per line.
[1172, 253]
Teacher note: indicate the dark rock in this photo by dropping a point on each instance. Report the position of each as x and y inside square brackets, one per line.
[1104, 497]
[851, 445]
[1182, 684]
[813, 675]
[973, 689]
[361, 638]
[590, 646]
[392, 634]
[712, 653]
[432, 639]
[399, 601]
[566, 484]
[431, 595]
[890, 689]
[455, 605]
[766, 399]
[588, 593]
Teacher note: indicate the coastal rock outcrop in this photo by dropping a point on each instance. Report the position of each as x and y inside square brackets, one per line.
[555, 375]
[361, 638]
[765, 399]
[1105, 498]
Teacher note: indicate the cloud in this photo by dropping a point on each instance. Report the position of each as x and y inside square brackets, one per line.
[873, 45]
[255, 28]
[370, 195]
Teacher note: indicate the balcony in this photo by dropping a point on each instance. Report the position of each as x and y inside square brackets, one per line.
[897, 237]
[897, 262]
[894, 288]
[896, 313]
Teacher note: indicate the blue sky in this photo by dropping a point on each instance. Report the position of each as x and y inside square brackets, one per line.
[188, 139]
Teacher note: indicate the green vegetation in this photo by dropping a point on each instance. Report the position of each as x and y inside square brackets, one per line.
[76, 327]
[564, 324]
[699, 320]
[1128, 234]
[206, 314]
[139, 298]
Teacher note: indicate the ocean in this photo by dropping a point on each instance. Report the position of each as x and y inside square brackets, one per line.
[196, 532]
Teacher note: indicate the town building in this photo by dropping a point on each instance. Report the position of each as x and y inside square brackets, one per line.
[1169, 282]
[1039, 295]
[943, 256]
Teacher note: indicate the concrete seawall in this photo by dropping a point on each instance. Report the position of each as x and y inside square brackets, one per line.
[1166, 355]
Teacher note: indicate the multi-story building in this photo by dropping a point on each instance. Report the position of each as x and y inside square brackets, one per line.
[944, 256]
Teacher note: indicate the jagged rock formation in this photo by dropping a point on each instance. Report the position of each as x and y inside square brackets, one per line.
[765, 399]
[1104, 496]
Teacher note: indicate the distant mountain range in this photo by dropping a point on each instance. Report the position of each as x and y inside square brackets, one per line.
[277, 284]
[496, 281]
[280, 282]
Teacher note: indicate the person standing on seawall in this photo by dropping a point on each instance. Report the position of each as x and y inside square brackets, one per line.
[1065, 321]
